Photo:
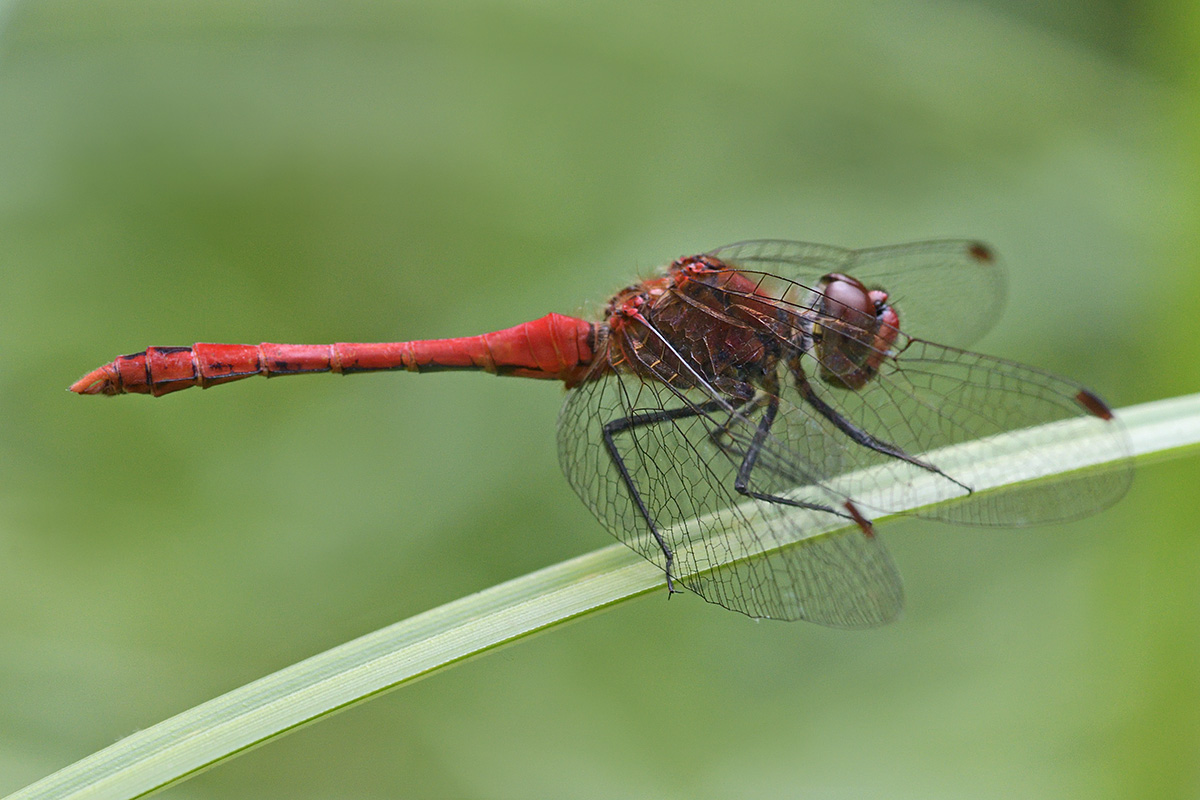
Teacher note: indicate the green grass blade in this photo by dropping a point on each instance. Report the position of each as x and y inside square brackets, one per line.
[210, 733]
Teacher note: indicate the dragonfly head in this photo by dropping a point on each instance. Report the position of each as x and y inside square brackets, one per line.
[853, 331]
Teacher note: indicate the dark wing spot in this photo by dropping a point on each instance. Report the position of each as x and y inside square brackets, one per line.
[863, 523]
[981, 252]
[1093, 404]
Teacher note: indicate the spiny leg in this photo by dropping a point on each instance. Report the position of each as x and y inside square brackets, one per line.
[750, 460]
[860, 436]
[721, 435]
[632, 422]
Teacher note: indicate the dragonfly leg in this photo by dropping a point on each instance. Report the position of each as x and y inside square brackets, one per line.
[742, 481]
[717, 435]
[861, 437]
[632, 422]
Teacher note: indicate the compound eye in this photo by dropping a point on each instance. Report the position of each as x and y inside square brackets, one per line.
[854, 332]
[846, 299]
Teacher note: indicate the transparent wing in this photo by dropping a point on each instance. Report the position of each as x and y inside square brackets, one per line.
[683, 468]
[928, 397]
[951, 290]
[657, 451]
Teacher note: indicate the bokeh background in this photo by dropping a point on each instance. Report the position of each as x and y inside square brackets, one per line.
[287, 170]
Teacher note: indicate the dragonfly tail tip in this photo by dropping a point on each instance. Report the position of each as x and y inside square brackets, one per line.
[98, 381]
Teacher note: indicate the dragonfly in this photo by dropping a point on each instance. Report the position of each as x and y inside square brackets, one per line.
[724, 409]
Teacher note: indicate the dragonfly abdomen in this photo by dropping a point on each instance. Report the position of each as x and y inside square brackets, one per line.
[554, 347]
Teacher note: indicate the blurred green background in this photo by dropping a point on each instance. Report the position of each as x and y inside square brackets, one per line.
[296, 171]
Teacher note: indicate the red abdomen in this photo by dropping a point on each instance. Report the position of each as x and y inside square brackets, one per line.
[555, 347]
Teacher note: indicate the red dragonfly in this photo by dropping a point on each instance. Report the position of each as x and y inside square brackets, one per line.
[736, 388]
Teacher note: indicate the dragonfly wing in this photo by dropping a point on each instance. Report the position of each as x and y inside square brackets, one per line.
[928, 397]
[761, 558]
[951, 289]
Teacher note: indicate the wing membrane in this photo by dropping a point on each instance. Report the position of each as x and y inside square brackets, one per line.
[727, 390]
[952, 290]
[773, 567]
